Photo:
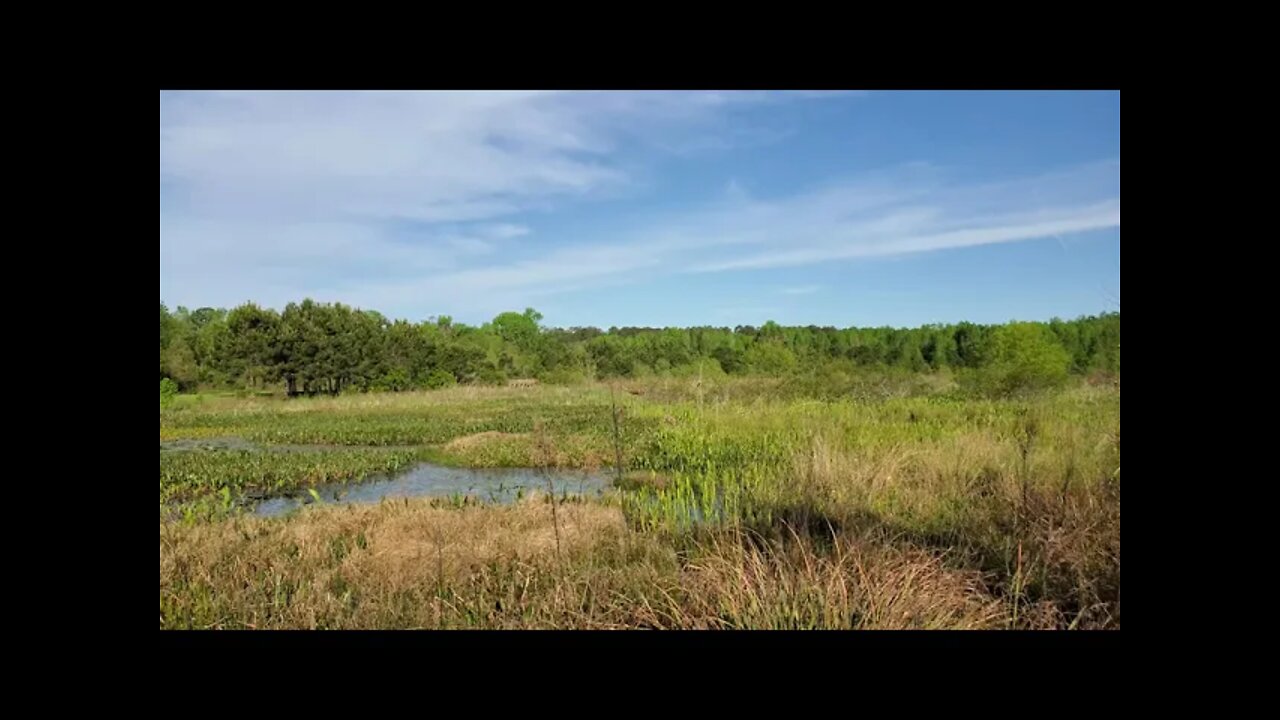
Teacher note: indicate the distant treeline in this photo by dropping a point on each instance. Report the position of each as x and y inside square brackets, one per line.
[327, 348]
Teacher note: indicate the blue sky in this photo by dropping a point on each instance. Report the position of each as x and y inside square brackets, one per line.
[646, 208]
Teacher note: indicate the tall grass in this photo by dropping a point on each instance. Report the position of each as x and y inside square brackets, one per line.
[363, 567]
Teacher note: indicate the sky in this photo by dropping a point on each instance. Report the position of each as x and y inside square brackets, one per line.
[646, 208]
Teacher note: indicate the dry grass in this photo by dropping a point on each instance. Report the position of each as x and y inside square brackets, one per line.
[480, 439]
[356, 566]
[859, 582]
[1044, 530]
[414, 565]
[499, 449]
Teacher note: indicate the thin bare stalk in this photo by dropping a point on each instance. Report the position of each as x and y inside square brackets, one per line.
[439, 578]
[544, 462]
[617, 435]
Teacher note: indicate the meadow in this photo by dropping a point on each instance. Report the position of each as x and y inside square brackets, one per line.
[739, 504]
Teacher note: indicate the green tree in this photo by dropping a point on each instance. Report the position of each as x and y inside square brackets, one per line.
[252, 335]
[178, 362]
[731, 359]
[1026, 356]
[771, 358]
[167, 324]
[314, 347]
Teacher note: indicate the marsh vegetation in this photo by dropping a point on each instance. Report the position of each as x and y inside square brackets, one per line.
[888, 501]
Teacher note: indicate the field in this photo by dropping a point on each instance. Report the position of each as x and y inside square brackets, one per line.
[741, 504]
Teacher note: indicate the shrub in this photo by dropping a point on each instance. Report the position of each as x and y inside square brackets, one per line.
[168, 389]
[562, 376]
[707, 368]
[441, 379]
[489, 375]
[771, 358]
[1024, 357]
[395, 380]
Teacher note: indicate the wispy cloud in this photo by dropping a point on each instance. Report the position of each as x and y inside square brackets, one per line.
[802, 290]
[276, 194]
[918, 212]
[431, 200]
[505, 230]
[907, 210]
[432, 156]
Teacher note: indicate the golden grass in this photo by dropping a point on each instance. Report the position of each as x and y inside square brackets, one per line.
[415, 565]
[230, 573]
[471, 442]
[861, 582]
[1050, 545]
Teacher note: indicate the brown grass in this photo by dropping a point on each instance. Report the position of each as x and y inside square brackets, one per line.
[356, 566]
[415, 565]
[480, 439]
[1053, 552]
[860, 582]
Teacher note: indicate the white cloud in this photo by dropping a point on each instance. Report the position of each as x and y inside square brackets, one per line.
[505, 230]
[432, 156]
[310, 192]
[420, 200]
[425, 156]
[469, 245]
[895, 212]
[915, 210]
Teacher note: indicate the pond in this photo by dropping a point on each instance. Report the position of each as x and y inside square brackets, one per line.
[500, 485]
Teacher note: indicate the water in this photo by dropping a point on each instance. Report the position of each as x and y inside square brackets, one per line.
[427, 480]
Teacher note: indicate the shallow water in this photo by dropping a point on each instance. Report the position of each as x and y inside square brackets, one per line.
[427, 480]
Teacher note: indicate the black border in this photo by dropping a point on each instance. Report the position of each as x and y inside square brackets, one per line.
[835, 51]
[483, 640]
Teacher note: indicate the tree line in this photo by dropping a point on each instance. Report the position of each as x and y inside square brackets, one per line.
[313, 348]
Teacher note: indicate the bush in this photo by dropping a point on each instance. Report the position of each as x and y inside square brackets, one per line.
[835, 379]
[732, 360]
[489, 375]
[708, 368]
[395, 381]
[562, 376]
[168, 390]
[771, 358]
[1023, 357]
[441, 379]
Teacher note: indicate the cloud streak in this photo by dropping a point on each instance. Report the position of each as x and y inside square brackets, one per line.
[889, 214]
[802, 290]
[432, 201]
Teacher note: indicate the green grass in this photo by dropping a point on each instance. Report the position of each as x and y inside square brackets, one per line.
[215, 483]
[423, 418]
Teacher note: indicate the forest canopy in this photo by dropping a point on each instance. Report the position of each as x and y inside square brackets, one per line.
[313, 348]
